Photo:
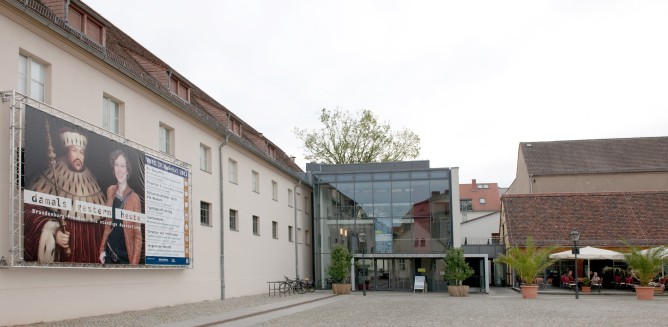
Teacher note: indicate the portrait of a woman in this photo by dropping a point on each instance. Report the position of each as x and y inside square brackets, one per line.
[122, 239]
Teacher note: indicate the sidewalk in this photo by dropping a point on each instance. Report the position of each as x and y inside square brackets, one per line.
[501, 307]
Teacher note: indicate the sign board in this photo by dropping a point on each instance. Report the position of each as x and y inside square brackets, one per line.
[419, 283]
[422, 270]
[118, 204]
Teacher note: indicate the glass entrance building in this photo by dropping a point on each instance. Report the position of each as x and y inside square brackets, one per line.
[404, 208]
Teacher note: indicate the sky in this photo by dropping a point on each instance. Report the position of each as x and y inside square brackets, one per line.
[472, 78]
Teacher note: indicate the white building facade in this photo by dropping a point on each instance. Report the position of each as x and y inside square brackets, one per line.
[246, 206]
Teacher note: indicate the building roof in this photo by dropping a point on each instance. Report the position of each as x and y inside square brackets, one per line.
[642, 154]
[129, 57]
[603, 219]
[476, 191]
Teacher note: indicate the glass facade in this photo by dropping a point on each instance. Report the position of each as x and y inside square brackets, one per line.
[405, 214]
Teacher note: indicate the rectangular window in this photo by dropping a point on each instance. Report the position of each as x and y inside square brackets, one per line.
[166, 139]
[256, 182]
[307, 237]
[179, 88]
[235, 127]
[204, 158]
[306, 204]
[274, 229]
[233, 220]
[32, 78]
[290, 198]
[299, 235]
[274, 190]
[483, 201]
[111, 115]
[402, 264]
[205, 213]
[466, 205]
[256, 225]
[80, 21]
[290, 236]
[232, 171]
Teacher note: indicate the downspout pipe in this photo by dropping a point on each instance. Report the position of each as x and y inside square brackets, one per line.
[221, 181]
[295, 231]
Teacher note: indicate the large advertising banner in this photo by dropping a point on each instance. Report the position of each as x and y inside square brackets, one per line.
[167, 237]
[89, 199]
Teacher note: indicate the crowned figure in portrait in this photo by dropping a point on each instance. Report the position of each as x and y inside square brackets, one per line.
[64, 235]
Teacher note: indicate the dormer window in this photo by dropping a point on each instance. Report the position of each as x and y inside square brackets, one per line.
[179, 88]
[85, 24]
[271, 151]
[235, 127]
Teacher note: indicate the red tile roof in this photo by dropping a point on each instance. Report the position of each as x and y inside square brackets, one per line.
[603, 219]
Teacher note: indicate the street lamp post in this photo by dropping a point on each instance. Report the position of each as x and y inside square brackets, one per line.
[575, 236]
[361, 237]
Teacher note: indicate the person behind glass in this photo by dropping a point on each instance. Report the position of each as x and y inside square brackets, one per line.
[121, 240]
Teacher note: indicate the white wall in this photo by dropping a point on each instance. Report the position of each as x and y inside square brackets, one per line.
[76, 86]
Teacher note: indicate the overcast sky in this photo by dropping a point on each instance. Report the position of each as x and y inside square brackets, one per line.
[472, 78]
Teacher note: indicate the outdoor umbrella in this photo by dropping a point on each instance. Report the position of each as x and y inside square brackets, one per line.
[589, 253]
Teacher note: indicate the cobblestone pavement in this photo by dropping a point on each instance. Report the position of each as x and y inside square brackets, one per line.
[502, 307]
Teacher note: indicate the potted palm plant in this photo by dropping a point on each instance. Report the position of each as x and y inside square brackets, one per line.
[455, 271]
[528, 263]
[645, 265]
[586, 285]
[339, 268]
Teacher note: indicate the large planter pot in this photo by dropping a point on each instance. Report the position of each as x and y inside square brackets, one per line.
[586, 289]
[658, 289]
[529, 291]
[458, 290]
[645, 292]
[340, 289]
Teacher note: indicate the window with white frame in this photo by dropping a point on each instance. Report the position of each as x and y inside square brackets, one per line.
[256, 225]
[111, 114]
[299, 235]
[232, 171]
[256, 181]
[483, 201]
[32, 77]
[290, 235]
[274, 229]
[205, 213]
[166, 139]
[204, 158]
[234, 220]
[290, 198]
[274, 190]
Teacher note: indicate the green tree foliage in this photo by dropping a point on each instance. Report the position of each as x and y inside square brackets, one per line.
[527, 262]
[345, 138]
[340, 266]
[455, 267]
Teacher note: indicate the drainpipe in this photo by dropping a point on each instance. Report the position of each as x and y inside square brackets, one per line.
[222, 217]
[296, 243]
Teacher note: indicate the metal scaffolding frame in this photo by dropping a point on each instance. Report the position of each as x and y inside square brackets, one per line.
[18, 103]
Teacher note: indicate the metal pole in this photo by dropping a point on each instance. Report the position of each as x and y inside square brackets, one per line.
[363, 270]
[575, 249]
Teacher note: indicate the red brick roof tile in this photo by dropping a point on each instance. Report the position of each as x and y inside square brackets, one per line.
[603, 219]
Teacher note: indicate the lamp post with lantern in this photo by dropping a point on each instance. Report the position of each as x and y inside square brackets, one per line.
[361, 237]
[575, 236]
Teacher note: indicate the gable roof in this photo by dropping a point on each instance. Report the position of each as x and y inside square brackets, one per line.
[131, 58]
[642, 154]
[603, 219]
